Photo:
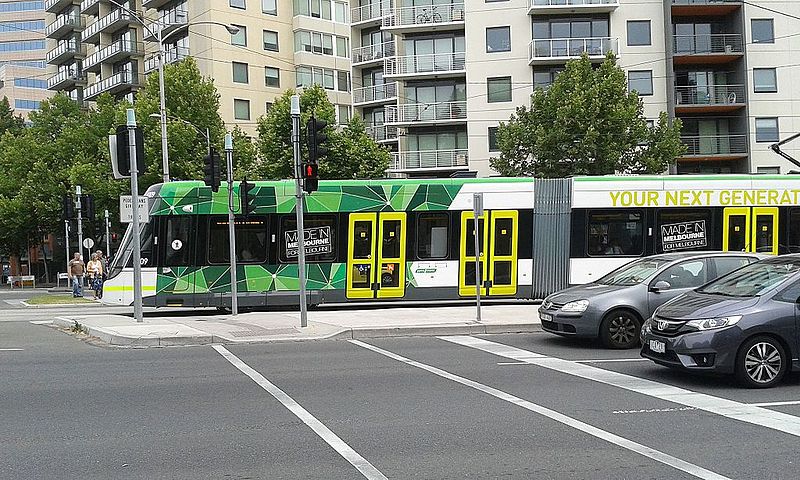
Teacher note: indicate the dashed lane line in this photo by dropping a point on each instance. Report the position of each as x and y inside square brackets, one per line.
[10, 349]
[342, 448]
[625, 443]
[776, 404]
[753, 414]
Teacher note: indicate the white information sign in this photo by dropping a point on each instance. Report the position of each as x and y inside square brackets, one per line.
[126, 209]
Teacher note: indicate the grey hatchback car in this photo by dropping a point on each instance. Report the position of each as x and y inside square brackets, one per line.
[746, 323]
[614, 307]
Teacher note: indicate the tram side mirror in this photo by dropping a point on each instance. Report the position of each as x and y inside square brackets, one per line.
[659, 286]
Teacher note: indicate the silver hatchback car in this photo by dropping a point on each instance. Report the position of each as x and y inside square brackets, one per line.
[614, 307]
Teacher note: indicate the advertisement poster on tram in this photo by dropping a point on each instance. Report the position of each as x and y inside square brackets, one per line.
[684, 235]
[317, 241]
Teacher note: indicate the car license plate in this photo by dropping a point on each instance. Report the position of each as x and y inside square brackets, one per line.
[546, 317]
[658, 346]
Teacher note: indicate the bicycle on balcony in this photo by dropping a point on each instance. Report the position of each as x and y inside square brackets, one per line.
[429, 15]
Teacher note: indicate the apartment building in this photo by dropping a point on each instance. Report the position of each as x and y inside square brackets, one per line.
[23, 77]
[434, 78]
[278, 44]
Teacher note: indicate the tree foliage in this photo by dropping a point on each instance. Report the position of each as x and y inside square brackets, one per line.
[585, 123]
[9, 122]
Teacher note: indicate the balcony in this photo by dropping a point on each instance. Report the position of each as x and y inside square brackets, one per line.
[171, 55]
[709, 98]
[707, 49]
[375, 94]
[365, 15]
[423, 114]
[119, 82]
[704, 8]
[112, 53]
[429, 160]
[434, 65]
[55, 6]
[66, 50]
[110, 23]
[154, 3]
[66, 79]
[363, 56]
[65, 24]
[568, 7]
[169, 21]
[90, 7]
[425, 18]
[561, 50]
[715, 147]
[382, 133]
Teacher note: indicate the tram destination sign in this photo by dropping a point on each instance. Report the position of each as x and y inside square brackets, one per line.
[317, 241]
[680, 236]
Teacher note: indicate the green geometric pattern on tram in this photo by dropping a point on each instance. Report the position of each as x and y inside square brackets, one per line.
[174, 281]
[410, 280]
[251, 278]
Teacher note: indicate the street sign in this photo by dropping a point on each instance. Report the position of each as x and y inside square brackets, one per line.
[126, 209]
[88, 243]
[477, 204]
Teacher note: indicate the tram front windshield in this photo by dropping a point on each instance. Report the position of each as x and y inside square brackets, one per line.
[633, 273]
[122, 258]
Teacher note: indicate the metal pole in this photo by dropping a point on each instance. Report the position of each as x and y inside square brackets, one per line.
[66, 241]
[108, 240]
[137, 254]
[162, 107]
[301, 249]
[231, 224]
[80, 220]
[208, 141]
[477, 208]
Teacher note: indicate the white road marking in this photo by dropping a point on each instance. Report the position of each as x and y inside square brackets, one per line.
[343, 449]
[15, 302]
[42, 322]
[597, 360]
[775, 404]
[10, 349]
[656, 410]
[756, 415]
[646, 451]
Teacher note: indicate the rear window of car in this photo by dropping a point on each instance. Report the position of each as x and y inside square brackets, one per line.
[725, 265]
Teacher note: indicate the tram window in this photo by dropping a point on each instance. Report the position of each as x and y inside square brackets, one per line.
[764, 233]
[177, 243]
[432, 235]
[615, 233]
[794, 231]
[503, 242]
[676, 224]
[470, 246]
[251, 240]
[390, 243]
[320, 233]
[146, 252]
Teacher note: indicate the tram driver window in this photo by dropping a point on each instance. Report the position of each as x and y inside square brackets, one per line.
[615, 233]
[320, 244]
[432, 236]
[251, 240]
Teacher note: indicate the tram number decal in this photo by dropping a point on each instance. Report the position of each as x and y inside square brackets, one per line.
[679, 236]
[317, 241]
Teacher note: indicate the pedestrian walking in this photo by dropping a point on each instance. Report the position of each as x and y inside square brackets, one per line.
[76, 271]
[104, 263]
[95, 270]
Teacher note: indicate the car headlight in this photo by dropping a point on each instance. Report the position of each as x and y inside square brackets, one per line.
[646, 327]
[576, 306]
[713, 323]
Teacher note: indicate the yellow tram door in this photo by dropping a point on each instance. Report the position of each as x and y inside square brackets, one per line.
[376, 255]
[747, 229]
[764, 237]
[467, 274]
[498, 250]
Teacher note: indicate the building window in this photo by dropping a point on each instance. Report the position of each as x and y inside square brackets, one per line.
[498, 39]
[241, 109]
[768, 170]
[493, 140]
[545, 78]
[22, 46]
[238, 4]
[638, 33]
[640, 81]
[267, 107]
[272, 77]
[763, 30]
[30, 83]
[240, 72]
[498, 89]
[240, 37]
[342, 47]
[765, 80]
[24, 104]
[343, 112]
[343, 80]
[269, 6]
[270, 41]
[767, 129]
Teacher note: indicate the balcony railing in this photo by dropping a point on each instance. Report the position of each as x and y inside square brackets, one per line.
[375, 93]
[169, 21]
[370, 53]
[71, 76]
[116, 17]
[710, 95]
[715, 144]
[368, 13]
[428, 64]
[425, 16]
[382, 133]
[171, 55]
[55, 6]
[556, 6]
[90, 7]
[430, 159]
[117, 82]
[65, 49]
[547, 49]
[709, 44]
[427, 112]
[120, 48]
[64, 23]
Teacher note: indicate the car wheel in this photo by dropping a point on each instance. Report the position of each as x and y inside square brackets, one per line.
[620, 329]
[761, 362]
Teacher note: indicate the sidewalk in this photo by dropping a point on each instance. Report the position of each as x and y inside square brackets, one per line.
[323, 323]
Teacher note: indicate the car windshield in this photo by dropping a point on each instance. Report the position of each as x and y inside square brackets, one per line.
[633, 273]
[753, 280]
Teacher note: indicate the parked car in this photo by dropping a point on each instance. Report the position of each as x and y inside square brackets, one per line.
[745, 323]
[614, 307]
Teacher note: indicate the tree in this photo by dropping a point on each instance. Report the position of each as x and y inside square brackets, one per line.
[8, 121]
[354, 154]
[585, 123]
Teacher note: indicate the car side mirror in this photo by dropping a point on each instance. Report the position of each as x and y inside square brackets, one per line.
[660, 286]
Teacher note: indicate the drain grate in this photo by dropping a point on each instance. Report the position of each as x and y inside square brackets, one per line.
[263, 333]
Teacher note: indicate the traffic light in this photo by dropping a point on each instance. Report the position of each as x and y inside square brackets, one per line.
[69, 207]
[310, 177]
[121, 152]
[87, 206]
[247, 195]
[317, 139]
[211, 169]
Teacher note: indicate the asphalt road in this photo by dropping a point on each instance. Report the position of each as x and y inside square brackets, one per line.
[421, 408]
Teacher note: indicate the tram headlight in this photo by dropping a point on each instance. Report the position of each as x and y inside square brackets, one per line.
[578, 306]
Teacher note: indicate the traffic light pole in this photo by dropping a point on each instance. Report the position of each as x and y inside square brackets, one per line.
[301, 249]
[66, 242]
[231, 224]
[108, 240]
[80, 222]
[137, 253]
